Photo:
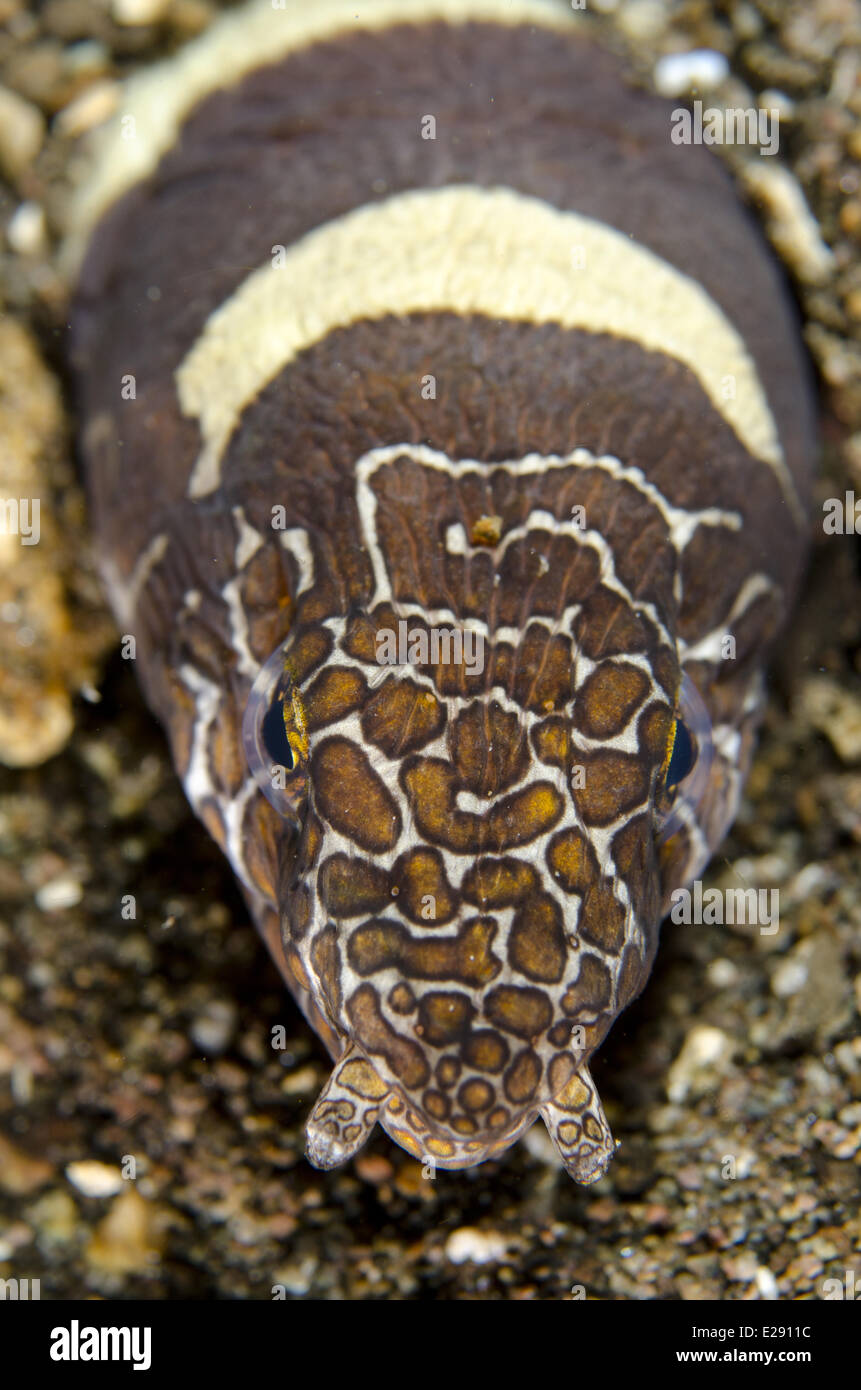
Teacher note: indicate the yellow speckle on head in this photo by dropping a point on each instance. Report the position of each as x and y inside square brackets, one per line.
[487, 530]
[298, 736]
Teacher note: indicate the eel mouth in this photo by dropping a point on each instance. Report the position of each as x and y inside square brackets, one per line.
[356, 1097]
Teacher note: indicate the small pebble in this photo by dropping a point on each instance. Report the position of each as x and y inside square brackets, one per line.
[138, 12]
[303, 1082]
[26, 231]
[95, 1179]
[789, 977]
[296, 1277]
[89, 57]
[22, 131]
[129, 1239]
[642, 20]
[373, 1168]
[59, 893]
[766, 1284]
[213, 1029]
[481, 1247]
[792, 227]
[21, 1173]
[721, 973]
[90, 109]
[705, 1051]
[701, 69]
[835, 711]
[13, 1238]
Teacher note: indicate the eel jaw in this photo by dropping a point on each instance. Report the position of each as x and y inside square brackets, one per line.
[345, 1112]
[355, 1097]
[577, 1125]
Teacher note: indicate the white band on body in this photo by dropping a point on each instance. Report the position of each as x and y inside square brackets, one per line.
[465, 250]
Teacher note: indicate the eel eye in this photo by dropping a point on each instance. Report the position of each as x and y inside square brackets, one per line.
[683, 756]
[688, 764]
[275, 739]
[275, 735]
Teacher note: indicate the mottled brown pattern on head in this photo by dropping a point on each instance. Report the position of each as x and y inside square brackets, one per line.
[352, 797]
[632, 976]
[400, 717]
[352, 887]
[432, 785]
[465, 959]
[602, 917]
[542, 672]
[536, 944]
[402, 999]
[406, 1059]
[634, 855]
[488, 748]
[654, 728]
[269, 610]
[326, 960]
[522, 1010]
[523, 1076]
[448, 1071]
[485, 1050]
[262, 829]
[335, 693]
[424, 892]
[608, 698]
[591, 992]
[228, 764]
[444, 1017]
[476, 1095]
[614, 784]
[551, 740]
[308, 650]
[606, 626]
[572, 860]
[437, 1105]
[495, 883]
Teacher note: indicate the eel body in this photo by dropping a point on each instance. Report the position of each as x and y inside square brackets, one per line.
[448, 439]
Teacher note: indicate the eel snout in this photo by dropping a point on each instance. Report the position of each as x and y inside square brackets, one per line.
[355, 1097]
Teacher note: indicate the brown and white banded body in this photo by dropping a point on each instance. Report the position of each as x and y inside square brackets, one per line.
[434, 332]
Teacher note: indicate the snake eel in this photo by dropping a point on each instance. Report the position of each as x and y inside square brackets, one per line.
[448, 438]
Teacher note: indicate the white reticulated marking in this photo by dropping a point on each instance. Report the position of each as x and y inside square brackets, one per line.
[246, 662]
[708, 648]
[700, 851]
[207, 698]
[248, 542]
[681, 524]
[296, 543]
[727, 742]
[155, 102]
[233, 811]
[124, 593]
[465, 250]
